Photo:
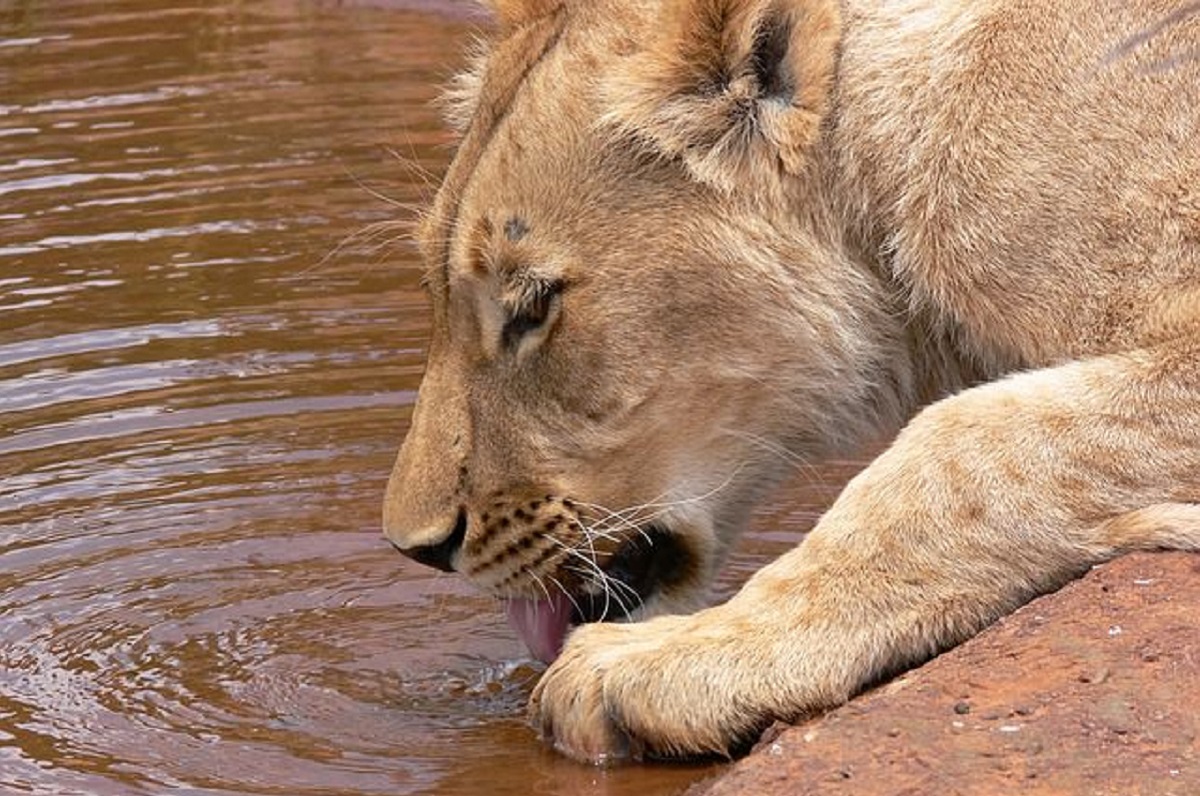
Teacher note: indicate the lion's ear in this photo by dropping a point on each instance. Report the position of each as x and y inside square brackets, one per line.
[732, 87]
[515, 13]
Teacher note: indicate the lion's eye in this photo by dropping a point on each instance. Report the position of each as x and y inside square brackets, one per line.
[535, 310]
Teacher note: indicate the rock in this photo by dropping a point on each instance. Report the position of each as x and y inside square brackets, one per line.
[1092, 690]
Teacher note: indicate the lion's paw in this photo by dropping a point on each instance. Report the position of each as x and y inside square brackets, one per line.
[659, 688]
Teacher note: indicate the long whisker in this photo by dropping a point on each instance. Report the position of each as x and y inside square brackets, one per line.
[599, 577]
[634, 515]
[428, 179]
[541, 585]
[791, 457]
[566, 593]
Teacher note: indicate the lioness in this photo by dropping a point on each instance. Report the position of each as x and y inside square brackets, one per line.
[683, 243]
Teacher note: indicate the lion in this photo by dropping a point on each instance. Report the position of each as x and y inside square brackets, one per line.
[683, 244]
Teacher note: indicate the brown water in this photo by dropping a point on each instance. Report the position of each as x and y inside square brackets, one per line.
[200, 398]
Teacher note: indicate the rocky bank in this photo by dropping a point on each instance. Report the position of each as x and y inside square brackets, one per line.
[1092, 690]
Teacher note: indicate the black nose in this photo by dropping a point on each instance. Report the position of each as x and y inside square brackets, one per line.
[440, 555]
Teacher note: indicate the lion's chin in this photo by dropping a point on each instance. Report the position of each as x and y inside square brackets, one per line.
[650, 560]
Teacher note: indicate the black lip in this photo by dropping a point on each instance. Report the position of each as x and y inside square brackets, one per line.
[647, 562]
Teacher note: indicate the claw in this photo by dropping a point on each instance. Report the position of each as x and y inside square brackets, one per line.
[611, 747]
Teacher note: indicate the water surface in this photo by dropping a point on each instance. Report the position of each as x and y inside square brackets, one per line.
[204, 376]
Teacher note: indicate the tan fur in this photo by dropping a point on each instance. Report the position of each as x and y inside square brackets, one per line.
[686, 244]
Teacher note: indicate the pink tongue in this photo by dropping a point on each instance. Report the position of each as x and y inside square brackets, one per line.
[541, 624]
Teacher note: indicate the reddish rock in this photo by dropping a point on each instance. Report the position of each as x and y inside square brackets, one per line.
[1092, 690]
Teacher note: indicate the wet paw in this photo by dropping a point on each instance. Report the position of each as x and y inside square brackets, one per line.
[654, 689]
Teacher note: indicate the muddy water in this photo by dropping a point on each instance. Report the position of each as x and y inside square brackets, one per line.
[201, 392]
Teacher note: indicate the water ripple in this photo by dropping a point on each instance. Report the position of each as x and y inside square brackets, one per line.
[104, 339]
[105, 100]
[199, 411]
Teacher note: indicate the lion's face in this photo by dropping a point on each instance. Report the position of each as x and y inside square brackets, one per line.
[625, 351]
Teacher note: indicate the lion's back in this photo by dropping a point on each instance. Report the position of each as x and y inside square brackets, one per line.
[1041, 163]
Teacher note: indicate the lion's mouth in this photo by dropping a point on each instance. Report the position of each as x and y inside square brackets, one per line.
[645, 563]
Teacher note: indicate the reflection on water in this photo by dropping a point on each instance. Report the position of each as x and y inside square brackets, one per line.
[200, 398]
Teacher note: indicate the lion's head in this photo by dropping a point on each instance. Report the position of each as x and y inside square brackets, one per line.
[644, 310]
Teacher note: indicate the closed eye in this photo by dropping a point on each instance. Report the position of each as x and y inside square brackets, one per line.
[537, 306]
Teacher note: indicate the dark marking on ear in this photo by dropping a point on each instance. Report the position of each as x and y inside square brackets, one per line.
[735, 89]
[515, 229]
[769, 60]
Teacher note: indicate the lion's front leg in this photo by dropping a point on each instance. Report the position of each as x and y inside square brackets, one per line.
[681, 686]
[987, 499]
